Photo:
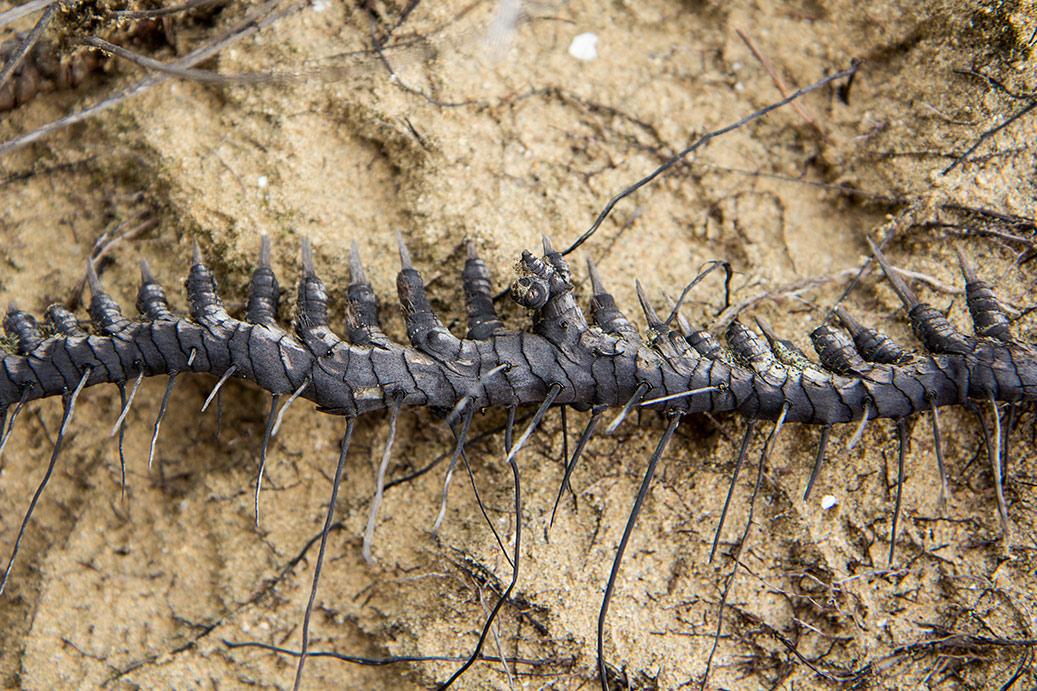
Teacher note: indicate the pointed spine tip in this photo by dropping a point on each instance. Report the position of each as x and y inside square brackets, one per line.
[848, 320]
[405, 259]
[145, 272]
[766, 329]
[196, 254]
[646, 306]
[92, 280]
[264, 251]
[968, 269]
[473, 251]
[307, 257]
[597, 287]
[548, 248]
[356, 267]
[902, 290]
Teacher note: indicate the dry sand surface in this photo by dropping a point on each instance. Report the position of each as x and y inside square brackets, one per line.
[495, 134]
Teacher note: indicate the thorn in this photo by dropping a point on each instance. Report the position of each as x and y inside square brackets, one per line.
[92, 280]
[264, 252]
[196, 255]
[145, 273]
[848, 320]
[405, 259]
[597, 287]
[307, 257]
[548, 248]
[650, 314]
[768, 333]
[967, 268]
[902, 290]
[473, 253]
[356, 268]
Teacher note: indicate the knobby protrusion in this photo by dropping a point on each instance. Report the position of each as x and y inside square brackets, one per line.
[424, 330]
[482, 317]
[873, 345]
[263, 291]
[63, 322]
[928, 323]
[21, 327]
[603, 307]
[151, 298]
[362, 306]
[988, 317]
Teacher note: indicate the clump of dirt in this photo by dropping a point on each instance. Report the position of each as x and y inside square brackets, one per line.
[449, 123]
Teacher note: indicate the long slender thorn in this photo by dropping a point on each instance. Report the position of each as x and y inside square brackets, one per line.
[267, 433]
[122, 456]
[216, 389]
[938, 447]
[995, 465]
[70, 404]
[509, 428]
[127, 404]
[642, 492]
[196, 254]
[859, 432]
[826, 432]
[380, 482]
[291, 399]
[683, 394]
[742, 451]
[548, 400]
[328, 520]
[577, 452]
[453, 464]
[906, 295]
[901, 451]
[639, 393]
[10, 422]
[161, 414]
[405, 260]
[165, 402]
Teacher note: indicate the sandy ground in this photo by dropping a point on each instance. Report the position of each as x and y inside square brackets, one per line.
[497, 137]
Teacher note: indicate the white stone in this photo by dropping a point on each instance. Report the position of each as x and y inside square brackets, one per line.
[828, 501]
[584, 46]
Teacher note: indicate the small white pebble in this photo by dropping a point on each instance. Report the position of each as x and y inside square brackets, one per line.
[739, 86]
[584, 46]
[262, 182]
[828, 501]
[244, 627]
[319, 5]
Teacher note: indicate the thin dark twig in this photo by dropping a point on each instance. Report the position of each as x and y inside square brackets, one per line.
[702, 142]
[28, 43]
[642, 492]
[249, 25]
[990, 133]
[320, 554]
[506, 595]
[767, 448]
